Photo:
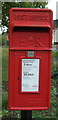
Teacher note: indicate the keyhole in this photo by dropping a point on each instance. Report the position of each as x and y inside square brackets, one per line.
[18, 78]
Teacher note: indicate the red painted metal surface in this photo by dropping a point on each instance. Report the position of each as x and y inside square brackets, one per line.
[30, 30]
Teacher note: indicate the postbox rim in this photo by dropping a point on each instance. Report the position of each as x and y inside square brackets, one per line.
[29, 9]
[16, 24]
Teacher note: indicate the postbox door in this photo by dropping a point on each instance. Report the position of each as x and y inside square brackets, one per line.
[30, 98]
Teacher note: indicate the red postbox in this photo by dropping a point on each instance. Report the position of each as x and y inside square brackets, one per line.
[30, 49]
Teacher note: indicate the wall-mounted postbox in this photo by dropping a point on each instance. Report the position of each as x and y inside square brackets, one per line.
[30, 48]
